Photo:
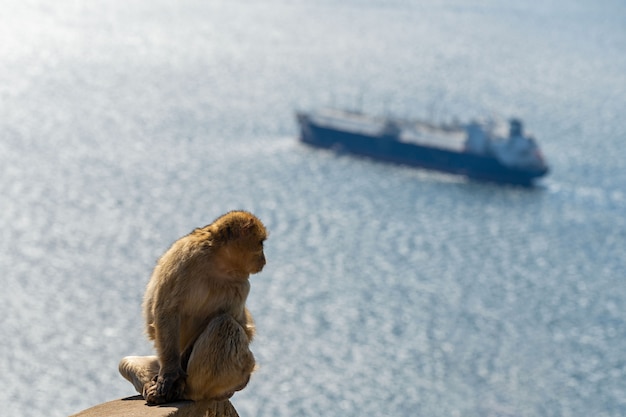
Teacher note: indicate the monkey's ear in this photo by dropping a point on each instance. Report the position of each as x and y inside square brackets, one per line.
[243, 229]
[254, 227]
[248, 226]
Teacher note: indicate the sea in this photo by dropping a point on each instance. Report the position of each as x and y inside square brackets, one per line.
[389, 291]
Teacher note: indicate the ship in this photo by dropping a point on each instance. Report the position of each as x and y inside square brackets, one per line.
[484, 150]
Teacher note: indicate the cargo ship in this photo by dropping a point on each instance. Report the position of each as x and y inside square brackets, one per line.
[481, 150]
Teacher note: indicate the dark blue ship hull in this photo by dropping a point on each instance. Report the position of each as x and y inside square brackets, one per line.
[389, 149]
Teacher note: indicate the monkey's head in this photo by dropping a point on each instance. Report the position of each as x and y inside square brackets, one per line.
[239, 236]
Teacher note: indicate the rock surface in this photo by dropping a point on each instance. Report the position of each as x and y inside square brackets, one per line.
[136, 407]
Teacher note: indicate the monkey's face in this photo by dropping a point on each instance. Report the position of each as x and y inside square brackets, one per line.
[256, 260]
[246, 255]
[240, 236]
[253, 242]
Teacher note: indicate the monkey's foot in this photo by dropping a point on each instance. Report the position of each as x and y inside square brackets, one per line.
[165, 388]
[150, 395]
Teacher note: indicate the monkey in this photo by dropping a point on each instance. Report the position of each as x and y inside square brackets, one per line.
[195, 313]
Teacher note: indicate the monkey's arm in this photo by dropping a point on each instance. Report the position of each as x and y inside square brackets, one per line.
[167, 340]
[170, 382]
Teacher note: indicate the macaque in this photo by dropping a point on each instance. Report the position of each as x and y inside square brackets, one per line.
[195, 313]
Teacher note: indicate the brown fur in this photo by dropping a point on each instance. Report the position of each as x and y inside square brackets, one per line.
[195, 312]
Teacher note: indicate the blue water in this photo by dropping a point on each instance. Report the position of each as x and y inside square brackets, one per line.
[389, 291]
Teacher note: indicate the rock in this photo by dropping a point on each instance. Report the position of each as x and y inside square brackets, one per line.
[136, 407]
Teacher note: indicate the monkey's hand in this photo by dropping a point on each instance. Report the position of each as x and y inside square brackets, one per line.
[166, 387]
